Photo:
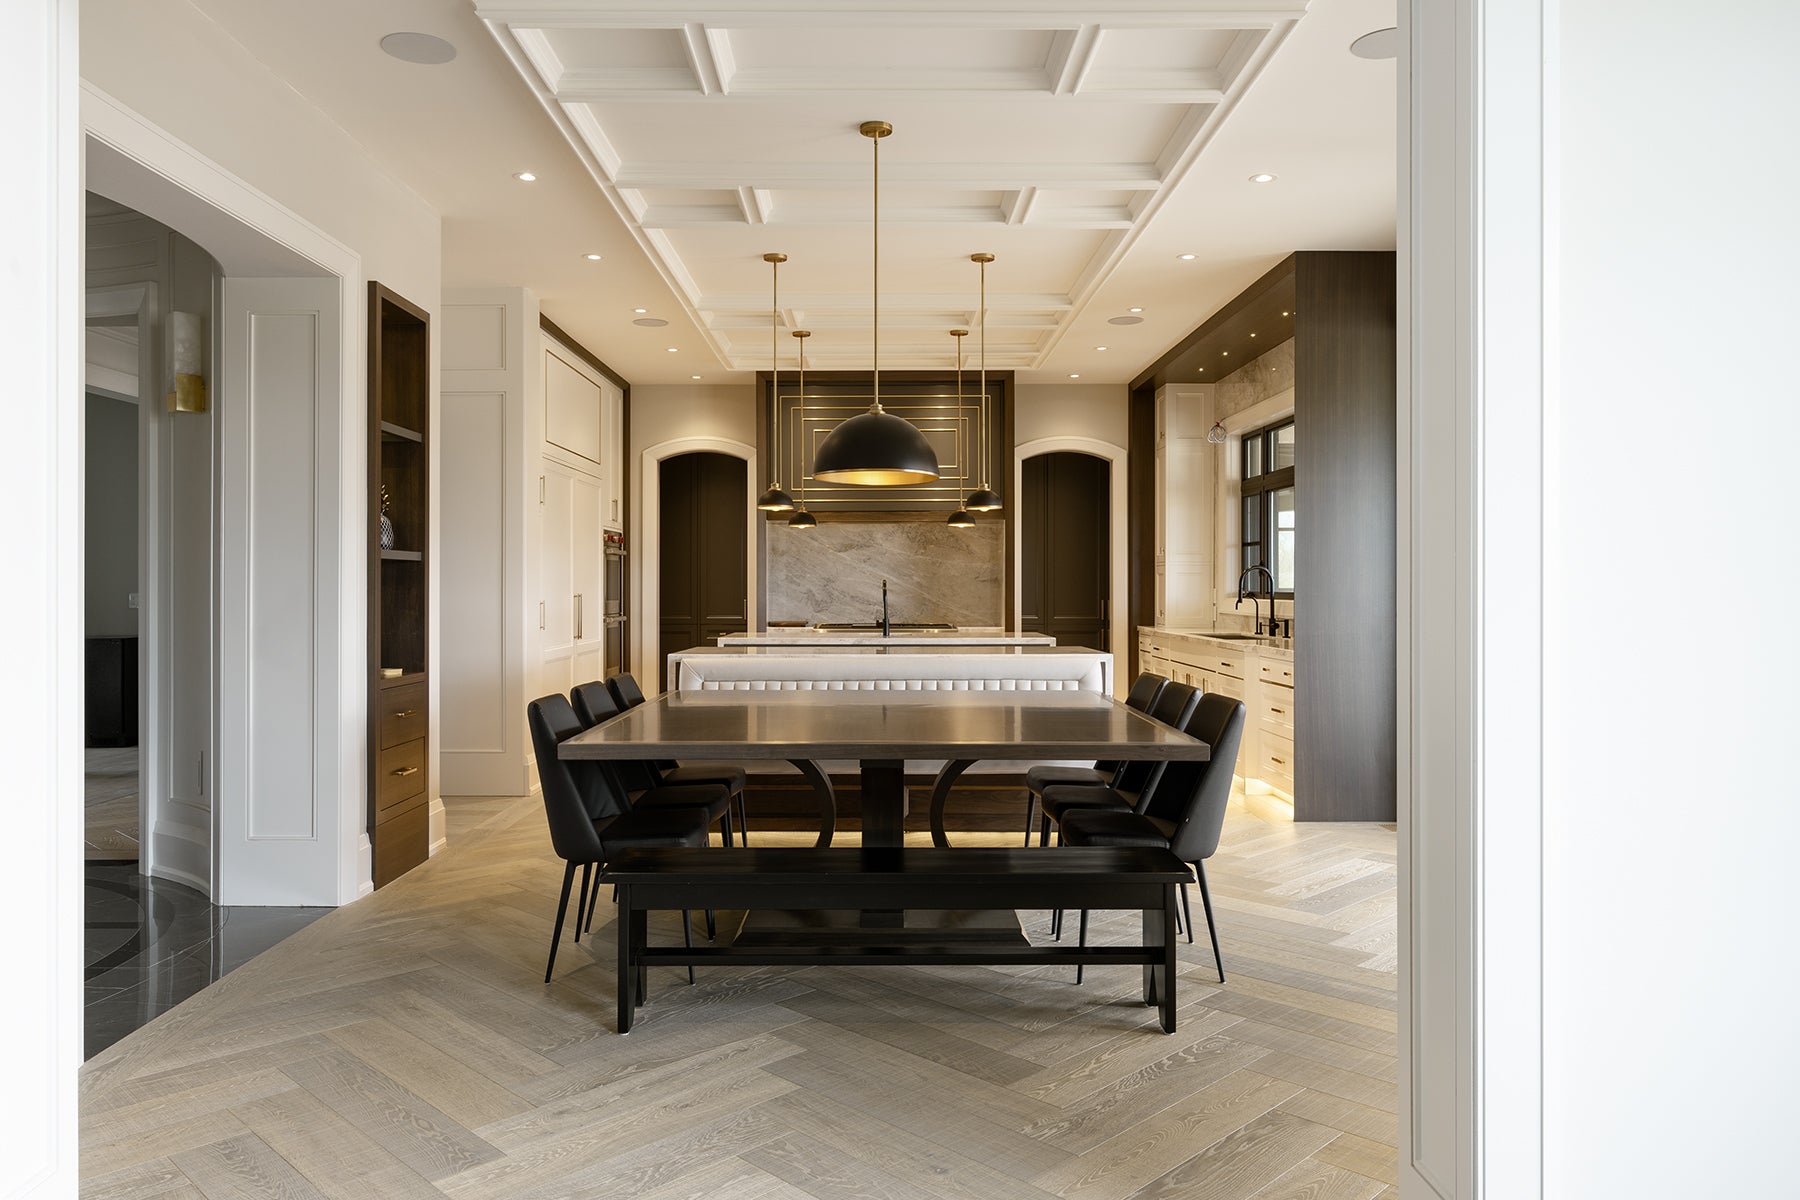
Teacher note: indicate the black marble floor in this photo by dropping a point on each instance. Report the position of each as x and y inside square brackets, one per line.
[151, 944]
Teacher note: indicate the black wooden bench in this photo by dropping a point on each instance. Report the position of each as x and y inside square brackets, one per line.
[881, 882]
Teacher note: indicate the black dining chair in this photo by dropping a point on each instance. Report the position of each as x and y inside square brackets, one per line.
[1185, 813]
[628, 694]
[648, 787]
[1144, 691]
[1136, 780]
[591, 819]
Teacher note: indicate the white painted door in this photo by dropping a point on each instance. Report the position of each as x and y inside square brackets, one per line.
[587, 658]
[288, 816]
[556, 578]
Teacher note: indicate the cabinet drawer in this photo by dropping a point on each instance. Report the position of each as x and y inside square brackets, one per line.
[402, 714]
[1274, 671]
[1277, 762]
[1225, 685]
[399, 773]
[1276, 708]
[1224, 662]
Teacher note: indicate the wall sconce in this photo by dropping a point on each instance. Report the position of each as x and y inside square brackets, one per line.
[188, 357]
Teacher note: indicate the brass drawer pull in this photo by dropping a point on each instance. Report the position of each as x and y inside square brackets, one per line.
[405, 712]
[407, 771]
[1280, 762]
[1273, 709]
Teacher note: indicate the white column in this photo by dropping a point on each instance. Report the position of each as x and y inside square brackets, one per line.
[41, 606]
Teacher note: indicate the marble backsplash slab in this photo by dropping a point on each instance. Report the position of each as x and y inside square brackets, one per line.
[934, 572]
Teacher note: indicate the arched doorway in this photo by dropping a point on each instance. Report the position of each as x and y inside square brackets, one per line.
[1065, 547]
[703, 582]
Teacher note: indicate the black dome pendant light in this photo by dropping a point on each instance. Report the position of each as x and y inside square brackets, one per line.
[960, 519]
[801, 518]
[983, 498]
[876, 448]
[775, 500]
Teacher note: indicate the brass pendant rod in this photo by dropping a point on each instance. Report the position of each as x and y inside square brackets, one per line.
[802, 334]
[875, 255]
[775, 261]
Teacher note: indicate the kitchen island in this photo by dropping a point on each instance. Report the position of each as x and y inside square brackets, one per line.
[886, 666]
[871, 635]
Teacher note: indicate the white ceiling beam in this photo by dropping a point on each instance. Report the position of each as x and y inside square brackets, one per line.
[815, 14]
[754, 203]
[676, 85]
[982, 176]
[702, 63]
[584, 85]
[541, 54]
[820, 303]
[1071, 57]
[1019, 205]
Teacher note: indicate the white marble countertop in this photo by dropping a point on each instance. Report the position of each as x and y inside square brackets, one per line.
[1268, 647]
[804, 636]
[887, 666]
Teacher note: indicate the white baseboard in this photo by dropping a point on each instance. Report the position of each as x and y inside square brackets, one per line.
[365, 865]
[435, 827]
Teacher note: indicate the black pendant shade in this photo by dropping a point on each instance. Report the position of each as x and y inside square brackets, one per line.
[960, 519]
[876, 449]
[983, 500]
[803, 520]
[775, 500]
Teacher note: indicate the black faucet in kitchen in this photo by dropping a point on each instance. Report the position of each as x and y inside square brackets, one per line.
[1274, 626]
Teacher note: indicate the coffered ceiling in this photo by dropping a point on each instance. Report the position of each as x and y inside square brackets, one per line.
[1102, 150]
[1050, 134]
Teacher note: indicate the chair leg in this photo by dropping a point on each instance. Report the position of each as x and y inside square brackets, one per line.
[712, 930]
[1081, 941]
[687, 938]
[725, 827]
[743, 821]
[1188, 909]
[593, 903]
[587, 875]
[1212, 929]
[1044, 830]
[561, 907]
[1056, 924]
[1030, 816]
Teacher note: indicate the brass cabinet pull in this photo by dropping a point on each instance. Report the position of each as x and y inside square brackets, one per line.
[406, 712]
[1282, 762]
[407, 771]
[1273, 709]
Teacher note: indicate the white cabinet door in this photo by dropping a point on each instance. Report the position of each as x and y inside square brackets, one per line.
[556, 579]
[612, 454]
[587, 659]
[571, 406]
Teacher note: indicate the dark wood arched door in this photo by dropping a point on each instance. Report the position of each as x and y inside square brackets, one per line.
[1065, 548]
[702, 589]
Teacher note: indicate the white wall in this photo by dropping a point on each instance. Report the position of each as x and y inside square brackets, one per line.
[1098, 410]
[1670, 821]
[285, 191]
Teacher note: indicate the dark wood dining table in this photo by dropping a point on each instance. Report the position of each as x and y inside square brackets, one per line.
[882, 731]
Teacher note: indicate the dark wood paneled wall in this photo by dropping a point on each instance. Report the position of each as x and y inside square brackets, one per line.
[1140, 526]
[1064, 548]
[1344, 607]
[702, 586]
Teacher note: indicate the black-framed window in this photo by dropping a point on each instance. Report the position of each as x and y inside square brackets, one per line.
[1266, 534]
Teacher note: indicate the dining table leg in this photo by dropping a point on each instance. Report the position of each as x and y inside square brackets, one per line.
[940, 795]
[821, 786]
[883, 824]
[1159, 977]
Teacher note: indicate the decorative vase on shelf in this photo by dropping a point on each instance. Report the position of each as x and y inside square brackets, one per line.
[387, 526]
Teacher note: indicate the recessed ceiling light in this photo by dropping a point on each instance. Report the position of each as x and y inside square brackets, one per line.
[421, 48]
[1262, 177]
[1074, 376]
[525, 177]
[1284, 314]
[1380, 44]
[696, 376]
[674, 349]
[1134, 310]
[1199, 368]
[1253, 335]
[650, 322]
[645, 310]
[1099, 347]
[1187, 257]
[1224, 354]
[593, 257]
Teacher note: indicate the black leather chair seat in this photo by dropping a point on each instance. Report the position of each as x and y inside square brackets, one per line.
[732, 779]
[1063, 800]
[655, 828]
[711, 799]
[1115, 827]
[1040, 777]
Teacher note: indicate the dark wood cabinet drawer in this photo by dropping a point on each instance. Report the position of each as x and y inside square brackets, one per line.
[402, 714]
[399, 773]
[402, 838]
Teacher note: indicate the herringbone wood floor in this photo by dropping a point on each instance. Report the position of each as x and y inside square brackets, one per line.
[405, 1046]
